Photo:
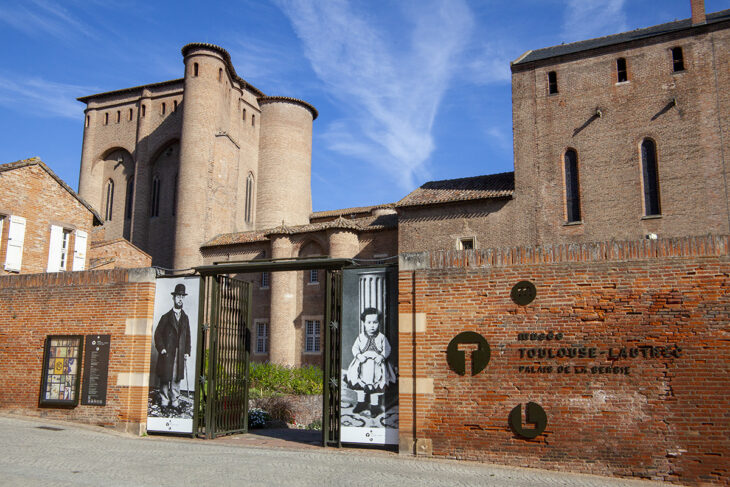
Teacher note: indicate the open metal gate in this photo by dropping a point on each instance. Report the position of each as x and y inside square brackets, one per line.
[332, 361]
[226, 319]
[223, 351]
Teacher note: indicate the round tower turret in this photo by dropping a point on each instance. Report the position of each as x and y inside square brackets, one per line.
[206, 82]
[284, 191]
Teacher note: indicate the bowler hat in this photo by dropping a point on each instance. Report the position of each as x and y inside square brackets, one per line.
[179, 289]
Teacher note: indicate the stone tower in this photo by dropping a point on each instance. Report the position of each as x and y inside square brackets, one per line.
[181, 161]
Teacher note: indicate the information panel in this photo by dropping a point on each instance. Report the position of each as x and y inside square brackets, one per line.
[96, 370]
[172, 368]
[369, 405]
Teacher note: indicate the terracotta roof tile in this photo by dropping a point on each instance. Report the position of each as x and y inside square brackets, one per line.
[370, 223]
[348, 211]
[464, 189]
[236, 238]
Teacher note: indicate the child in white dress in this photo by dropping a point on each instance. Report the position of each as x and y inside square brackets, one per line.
[369, 372]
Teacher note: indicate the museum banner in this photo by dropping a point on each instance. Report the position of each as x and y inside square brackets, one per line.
[171, 399]
[369, 404]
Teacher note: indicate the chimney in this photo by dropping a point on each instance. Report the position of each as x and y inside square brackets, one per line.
[698, 12]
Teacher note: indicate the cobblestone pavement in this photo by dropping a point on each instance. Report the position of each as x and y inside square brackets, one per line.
[41, 452]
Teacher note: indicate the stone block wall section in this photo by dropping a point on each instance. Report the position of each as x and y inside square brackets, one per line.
[119, 302]
[625, 347]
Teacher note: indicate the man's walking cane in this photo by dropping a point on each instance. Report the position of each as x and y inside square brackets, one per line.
[187, 379]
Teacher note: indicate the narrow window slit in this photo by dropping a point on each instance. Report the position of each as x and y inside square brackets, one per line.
[621, 70]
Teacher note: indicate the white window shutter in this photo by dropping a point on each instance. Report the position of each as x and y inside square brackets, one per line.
[80, 250]
[54, 249]
[16, 237]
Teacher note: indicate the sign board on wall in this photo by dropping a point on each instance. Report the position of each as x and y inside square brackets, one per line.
[369, 406]
[172, 382]
[96, 370]
[61, 371]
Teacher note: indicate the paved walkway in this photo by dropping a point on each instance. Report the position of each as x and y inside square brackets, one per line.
[41, 452]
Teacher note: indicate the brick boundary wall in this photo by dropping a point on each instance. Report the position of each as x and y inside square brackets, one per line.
[648, 398]
[119, 302]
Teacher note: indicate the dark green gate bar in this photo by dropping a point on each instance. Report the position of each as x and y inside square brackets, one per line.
[332, 361]
[223, 403]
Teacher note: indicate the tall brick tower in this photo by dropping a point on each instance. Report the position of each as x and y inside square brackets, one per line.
[181, 161]
[206, 164]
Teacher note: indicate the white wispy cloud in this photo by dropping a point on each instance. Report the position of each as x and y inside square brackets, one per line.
[41, 97]
[498, 134]
[37, 18]
[390, 80]
[488, 63]
[586, 19]
[269, 64]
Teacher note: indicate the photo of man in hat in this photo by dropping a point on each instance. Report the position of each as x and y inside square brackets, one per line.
[172, 341]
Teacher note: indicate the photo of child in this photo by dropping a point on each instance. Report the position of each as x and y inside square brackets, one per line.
[369, 358]
[370, 372]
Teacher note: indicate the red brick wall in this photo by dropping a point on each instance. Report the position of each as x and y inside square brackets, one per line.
[30, 192]
[119, 302]
[117, 253]
[667, 418]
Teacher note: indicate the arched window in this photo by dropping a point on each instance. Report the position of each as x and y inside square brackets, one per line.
[131, 113]
[155, 201]
[109, 200]
[106, 118]
[195, 69]
[249, 198]
[650, 175]
[119, 116]
[572, 190]
[128, 202]
[253, 120]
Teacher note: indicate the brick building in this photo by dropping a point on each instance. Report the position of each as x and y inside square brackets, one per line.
[44, 224]
[617, 212]
[622, 137]
[171, 165]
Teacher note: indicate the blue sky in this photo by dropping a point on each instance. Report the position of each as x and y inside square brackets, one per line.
[408, 91]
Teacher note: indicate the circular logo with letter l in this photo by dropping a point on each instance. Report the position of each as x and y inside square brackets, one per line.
[456, 352]
[523, 293]
[534, 414]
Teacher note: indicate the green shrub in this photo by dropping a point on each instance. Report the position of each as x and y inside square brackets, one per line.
[272, 379]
